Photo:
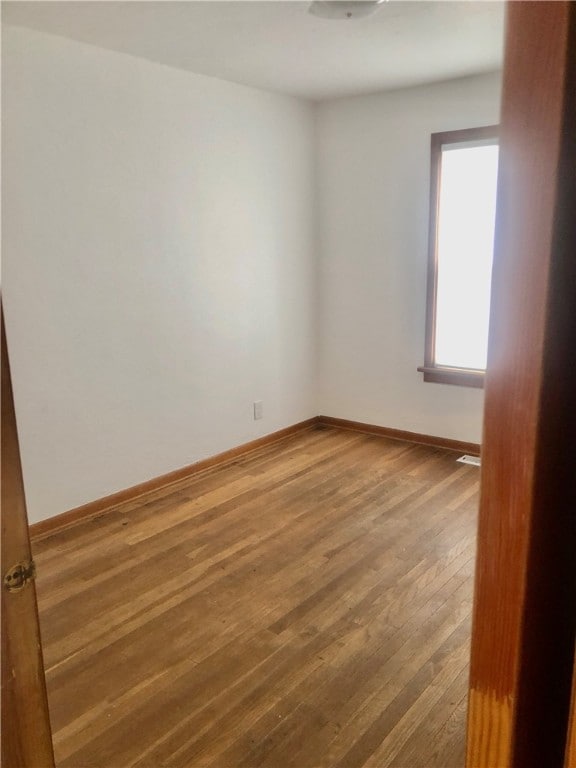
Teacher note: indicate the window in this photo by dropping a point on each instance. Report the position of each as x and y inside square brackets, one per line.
[462, 212]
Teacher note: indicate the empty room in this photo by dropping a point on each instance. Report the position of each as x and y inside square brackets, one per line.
[247, 264]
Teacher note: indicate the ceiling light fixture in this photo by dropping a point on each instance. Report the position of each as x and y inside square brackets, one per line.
[343, 9]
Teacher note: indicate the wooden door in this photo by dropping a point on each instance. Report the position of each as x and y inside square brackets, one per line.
[525, 600]
[26, 736]
[571, 740]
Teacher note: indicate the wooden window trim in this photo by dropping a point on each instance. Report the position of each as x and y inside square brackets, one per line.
[432, 372]
[464, 377]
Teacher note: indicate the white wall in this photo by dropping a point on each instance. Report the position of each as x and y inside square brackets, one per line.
[374, 166]
[158, 235]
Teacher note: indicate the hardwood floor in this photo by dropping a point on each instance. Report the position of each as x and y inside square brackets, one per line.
[307, 605]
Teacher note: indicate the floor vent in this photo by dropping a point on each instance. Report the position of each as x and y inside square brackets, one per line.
[474, 460]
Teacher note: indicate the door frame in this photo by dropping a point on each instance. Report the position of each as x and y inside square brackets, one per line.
[525, 587]
[26, 733]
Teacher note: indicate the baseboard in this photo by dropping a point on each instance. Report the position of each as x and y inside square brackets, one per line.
[399, 434]
[67, 519]
[74, 516]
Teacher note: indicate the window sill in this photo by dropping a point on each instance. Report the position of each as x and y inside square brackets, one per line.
[461, 377]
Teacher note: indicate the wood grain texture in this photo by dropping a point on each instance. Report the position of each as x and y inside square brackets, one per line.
[307, 605]
[26, 737]
[400, 434]
[97, 507]
[570, 760]
[524, 619]
[143, 490]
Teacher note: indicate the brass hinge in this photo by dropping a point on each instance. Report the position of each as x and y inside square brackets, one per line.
[20, 575]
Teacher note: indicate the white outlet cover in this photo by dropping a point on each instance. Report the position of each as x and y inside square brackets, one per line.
[258, 409]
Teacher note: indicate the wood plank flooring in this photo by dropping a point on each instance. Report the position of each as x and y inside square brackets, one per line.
[306, 606]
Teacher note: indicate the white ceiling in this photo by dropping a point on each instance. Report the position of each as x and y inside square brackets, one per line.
[279, 46]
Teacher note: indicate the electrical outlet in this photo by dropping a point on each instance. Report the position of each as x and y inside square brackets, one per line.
[258, 410]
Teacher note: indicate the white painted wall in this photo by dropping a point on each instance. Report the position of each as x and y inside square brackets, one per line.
[160, 239]
[374, 165]
[159, 276]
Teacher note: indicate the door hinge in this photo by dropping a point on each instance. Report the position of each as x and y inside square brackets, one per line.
[20, 575]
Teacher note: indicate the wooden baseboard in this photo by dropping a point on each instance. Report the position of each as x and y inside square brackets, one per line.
[399, 434]
[57, 523]
[67, 519]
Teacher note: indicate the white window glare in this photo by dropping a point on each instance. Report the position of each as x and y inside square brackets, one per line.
[465, 242]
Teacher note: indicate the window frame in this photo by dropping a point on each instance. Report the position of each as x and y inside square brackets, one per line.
[442, 374]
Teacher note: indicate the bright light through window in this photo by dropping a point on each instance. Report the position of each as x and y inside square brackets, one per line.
[464, 247]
